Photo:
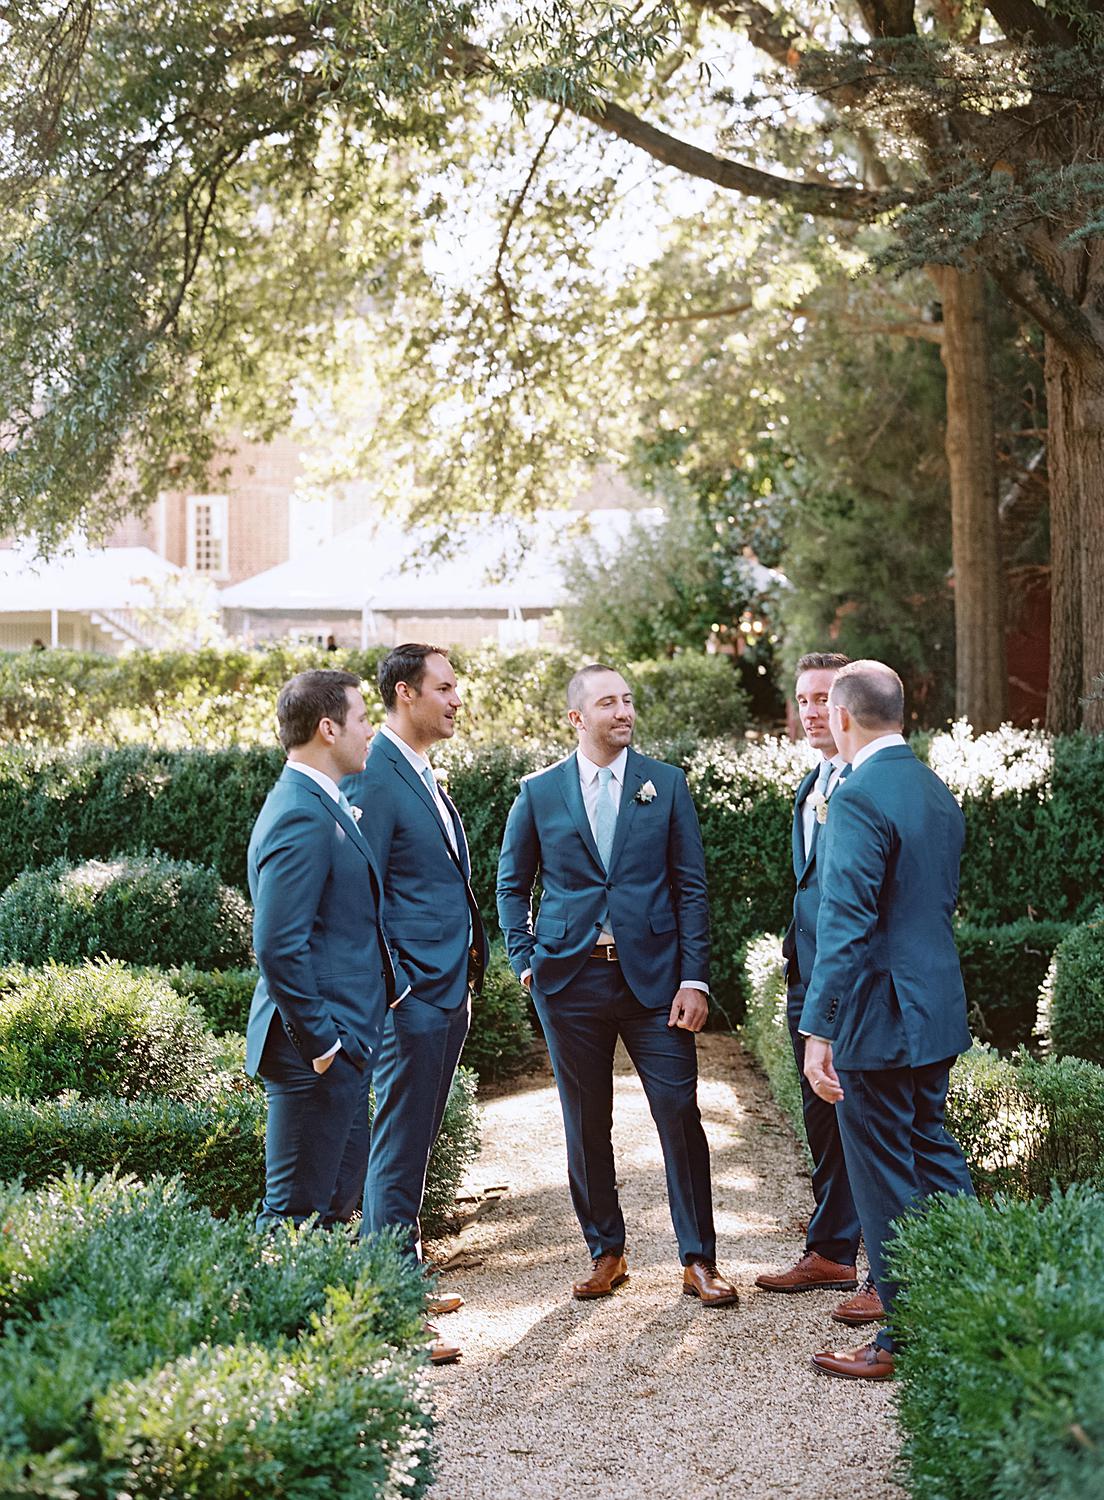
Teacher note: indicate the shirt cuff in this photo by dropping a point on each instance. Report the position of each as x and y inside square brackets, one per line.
[811, 1036]
[525, 974]
[694, 984]
[334, 1050]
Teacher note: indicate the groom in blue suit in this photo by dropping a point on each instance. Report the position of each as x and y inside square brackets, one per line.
[832, 1239]
[326, 973]
[619, 948]
[418, 841]
[885, 1011]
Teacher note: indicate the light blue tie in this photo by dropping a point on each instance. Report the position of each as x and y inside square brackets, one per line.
[430, 781]
[345, 805]
[605, 816]
[605, 821]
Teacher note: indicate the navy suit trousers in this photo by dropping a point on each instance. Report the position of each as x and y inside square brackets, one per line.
[316, 1144]
[898, 1153]
[834, 1228]
[581, 1025]
[414, 1069]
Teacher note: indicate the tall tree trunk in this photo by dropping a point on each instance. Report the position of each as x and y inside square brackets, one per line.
[981, 674]
[1075, 460]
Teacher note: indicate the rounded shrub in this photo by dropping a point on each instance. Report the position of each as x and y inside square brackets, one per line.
[501, 1038]
[100, 1030]
[142, 908]
[1077, 1001]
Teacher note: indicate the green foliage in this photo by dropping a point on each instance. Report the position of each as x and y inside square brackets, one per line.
[1000, 1389]
[1027, 1125]
[215, 1145]
[143, 908]
[765, 1030]
[1077, 1003]
[134, 1319]
[223, 995]
[97, 1030]
[501, 1037]
[1003, 969]
[454, 1150]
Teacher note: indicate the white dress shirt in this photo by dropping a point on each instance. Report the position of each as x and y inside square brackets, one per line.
[420, 766]
[808, 811]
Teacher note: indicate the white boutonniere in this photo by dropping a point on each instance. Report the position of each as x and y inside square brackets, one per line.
[820, 807]
[356, 813]
[646, 793]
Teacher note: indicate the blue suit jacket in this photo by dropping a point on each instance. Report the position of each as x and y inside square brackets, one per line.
[799, 944]
[886, 988]
[325, 966]
[655, 887]
[426, 886]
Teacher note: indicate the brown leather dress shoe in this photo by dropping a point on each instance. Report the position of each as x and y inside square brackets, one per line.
[863, 1307]
[701, 1279]
[441, 1352]
[440, 1303]
[610, 1270]
[812, 1273]
[868, 1362]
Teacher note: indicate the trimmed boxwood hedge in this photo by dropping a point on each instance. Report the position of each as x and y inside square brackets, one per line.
[1000, 1387]
[1077, 1001]
[1003, 969]
[1034, 847]
[144, 908]
[150, 1349]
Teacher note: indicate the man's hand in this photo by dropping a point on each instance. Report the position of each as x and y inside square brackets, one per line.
[819, 1070]
[689, 1010]
[320, 1064]
[527, 980]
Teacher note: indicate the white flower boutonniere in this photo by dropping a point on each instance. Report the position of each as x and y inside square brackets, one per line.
[646, 793]
[356, 813]
[820, 807]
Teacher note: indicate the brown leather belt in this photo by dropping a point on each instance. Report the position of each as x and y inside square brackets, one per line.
[607, 952]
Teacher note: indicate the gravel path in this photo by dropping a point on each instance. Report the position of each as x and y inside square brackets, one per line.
[645, 1395]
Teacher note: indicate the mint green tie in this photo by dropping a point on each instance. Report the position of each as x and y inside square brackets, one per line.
[605, 816]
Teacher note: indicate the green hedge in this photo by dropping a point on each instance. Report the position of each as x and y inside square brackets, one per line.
[1001, 1374]
[150, 1350]
[143, 908]
[1035, 840]
[1003, 969]
[99, 1029]
[1077, 1002]
[765, 1031]
[220, 697]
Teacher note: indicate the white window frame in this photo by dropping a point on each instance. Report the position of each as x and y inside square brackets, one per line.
[220, 511]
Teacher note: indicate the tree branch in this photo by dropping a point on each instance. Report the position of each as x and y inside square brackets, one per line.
[515, 209]
[1022, 19]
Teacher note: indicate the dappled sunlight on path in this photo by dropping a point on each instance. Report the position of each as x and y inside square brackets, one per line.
[645, 1393]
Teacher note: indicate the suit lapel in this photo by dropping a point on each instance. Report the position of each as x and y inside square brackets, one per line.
[418, 787]
[347, 825]
[464, 857]
[573, 796]
[626, 813]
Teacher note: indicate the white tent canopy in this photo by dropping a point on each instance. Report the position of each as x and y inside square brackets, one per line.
[493, 564]
[116, 578]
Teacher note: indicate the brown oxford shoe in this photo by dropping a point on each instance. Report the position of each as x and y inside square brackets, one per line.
[440, 1303]
[812, 1273]
[863, 1307]
[701, 1279]
[609, 1270]
[868, 1362]
[441, 1352]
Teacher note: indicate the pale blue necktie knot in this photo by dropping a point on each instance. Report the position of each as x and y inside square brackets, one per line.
[430, 781]
[345, 805]
[825, 777]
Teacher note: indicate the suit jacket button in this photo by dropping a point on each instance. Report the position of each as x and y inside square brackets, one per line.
[803, 886]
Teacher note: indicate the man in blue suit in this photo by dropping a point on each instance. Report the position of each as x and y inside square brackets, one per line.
[326, 973]
[433, 921]
[832, 1239]
[885, 1011]
[619, 948]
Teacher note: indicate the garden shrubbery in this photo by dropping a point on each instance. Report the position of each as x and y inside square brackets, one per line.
[1003, 969]
[1077, 1000]
[99, 1029]
[1001, 1388]
[150, 1349]
[146, 909]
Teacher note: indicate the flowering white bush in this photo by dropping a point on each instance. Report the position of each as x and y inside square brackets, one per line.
[734, 776]
[1005, 762]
